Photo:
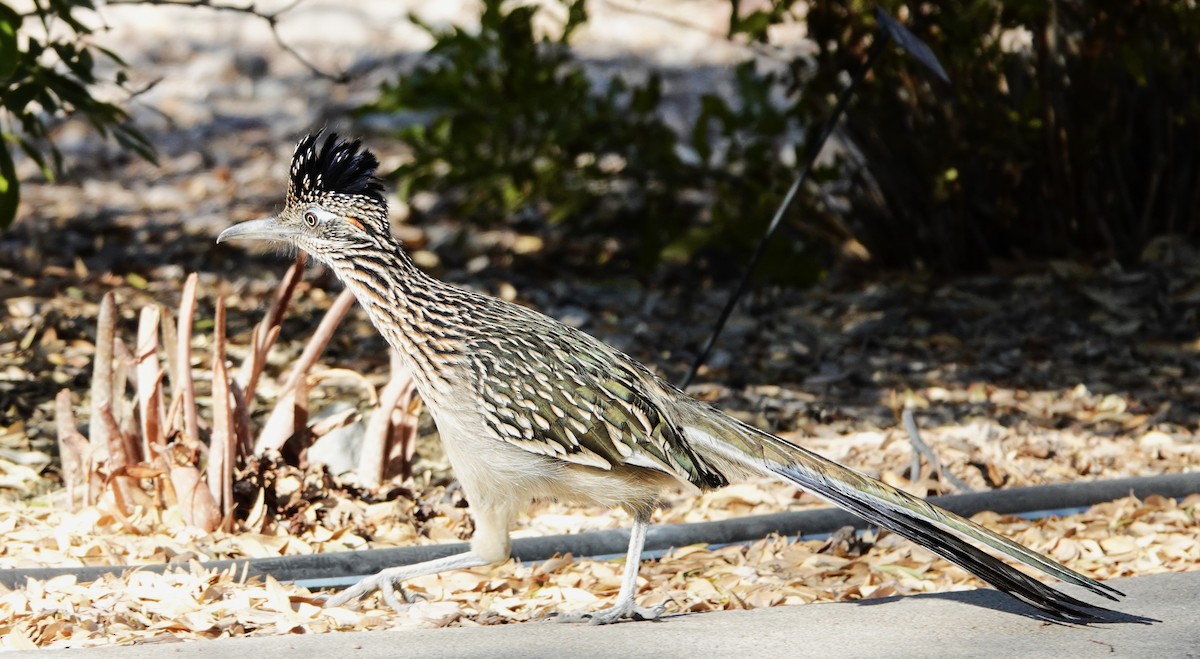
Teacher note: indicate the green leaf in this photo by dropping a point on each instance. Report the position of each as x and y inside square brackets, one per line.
[9, 54]
[135, 141]
[36, 156]
[16, 98]
[116, 59]
[10, 189]
[755, 25]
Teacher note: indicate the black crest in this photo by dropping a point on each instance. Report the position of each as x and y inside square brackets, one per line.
[333, 166]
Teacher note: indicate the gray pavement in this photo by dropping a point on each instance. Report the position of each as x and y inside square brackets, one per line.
[980, 623]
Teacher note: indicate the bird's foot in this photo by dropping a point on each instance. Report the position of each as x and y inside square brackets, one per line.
[623, 611]
[387, 582]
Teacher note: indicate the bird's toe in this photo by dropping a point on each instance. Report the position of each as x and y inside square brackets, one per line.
[613, 614]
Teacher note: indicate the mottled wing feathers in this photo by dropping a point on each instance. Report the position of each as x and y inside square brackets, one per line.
[555, 397]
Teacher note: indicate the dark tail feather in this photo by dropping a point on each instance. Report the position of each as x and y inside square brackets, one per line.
[1004, 577]
[939, 531]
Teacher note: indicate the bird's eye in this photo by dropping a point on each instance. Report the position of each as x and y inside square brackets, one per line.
[310, 218]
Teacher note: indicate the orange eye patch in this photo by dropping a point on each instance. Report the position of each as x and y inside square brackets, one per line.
[355, 223]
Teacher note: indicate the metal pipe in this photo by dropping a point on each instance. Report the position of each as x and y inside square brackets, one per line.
[662, 536]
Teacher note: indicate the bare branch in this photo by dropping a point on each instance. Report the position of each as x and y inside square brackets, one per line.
[221, 446]
[186, 388]
[170, 343]
[122, 360]
[283, 294]
[195, 501]
[347, 374]
[250, 9]
[281, 424]
[241, 421]
[301, 437]
[118, 458]
[920, 447]
[102, 370]
[320, 338]
[403, 436]
[678, 20]
[267, 330]
[149, 383]
[122, 409]
[373, 457]
[72, 446]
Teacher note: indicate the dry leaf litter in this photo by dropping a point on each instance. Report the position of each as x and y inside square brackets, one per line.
[1121, 538]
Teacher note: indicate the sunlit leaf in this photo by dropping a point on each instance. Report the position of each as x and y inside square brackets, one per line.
[9, 54]
[10, 188]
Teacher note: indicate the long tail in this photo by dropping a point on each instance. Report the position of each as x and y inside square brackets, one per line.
[938, 530]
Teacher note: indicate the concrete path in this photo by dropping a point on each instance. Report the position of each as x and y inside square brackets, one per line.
[981, 623]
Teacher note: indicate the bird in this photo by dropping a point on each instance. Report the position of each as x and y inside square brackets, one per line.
[529, 409]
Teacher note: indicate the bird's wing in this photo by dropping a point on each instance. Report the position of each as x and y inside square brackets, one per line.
[569, 397]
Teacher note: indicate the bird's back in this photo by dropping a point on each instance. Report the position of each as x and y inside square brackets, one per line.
[553, 390]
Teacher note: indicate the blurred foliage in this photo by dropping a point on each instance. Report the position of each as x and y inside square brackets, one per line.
[1072, 129]
[48, 68]
[517, 127]
[508, 124]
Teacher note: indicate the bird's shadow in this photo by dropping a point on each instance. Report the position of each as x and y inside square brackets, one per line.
[983, 598]
[997, 601]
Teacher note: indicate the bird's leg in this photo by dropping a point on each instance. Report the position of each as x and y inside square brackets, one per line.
[625, 607]
[388, 581]
[490, 545]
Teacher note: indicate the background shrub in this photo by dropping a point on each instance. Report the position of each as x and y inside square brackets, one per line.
[1069, 131]
[47, 69]
[510, 126]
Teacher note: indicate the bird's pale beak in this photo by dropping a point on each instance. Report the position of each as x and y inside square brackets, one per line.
[267, 228]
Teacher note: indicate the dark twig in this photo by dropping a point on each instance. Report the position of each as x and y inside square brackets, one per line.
[921, 448]
[250, 9]
[889, 31]
[812, 150]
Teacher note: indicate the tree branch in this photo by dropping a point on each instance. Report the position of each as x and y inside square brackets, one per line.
[250, 9]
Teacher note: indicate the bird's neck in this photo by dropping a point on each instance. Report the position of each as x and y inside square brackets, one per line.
[416, 314]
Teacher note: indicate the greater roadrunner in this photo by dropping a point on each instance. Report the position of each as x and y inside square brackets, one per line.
[529, 408]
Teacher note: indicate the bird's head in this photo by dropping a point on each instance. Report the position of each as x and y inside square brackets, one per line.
[334, 201]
